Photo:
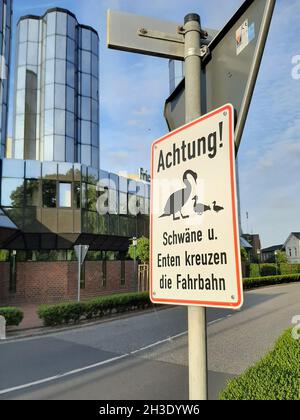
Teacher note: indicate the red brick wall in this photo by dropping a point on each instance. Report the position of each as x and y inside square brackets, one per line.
[51, 282]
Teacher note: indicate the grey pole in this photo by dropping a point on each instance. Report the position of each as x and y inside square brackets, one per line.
[79, 272]
[196, 315]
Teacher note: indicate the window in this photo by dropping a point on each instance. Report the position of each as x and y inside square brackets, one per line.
[60, 74]
[65, 195]
[20, 102]
[86, 109]
[71, 50]
[59, 148]
[51, 27]
[23, 30]
[50, 71]
[50, 47]
[71, 27]
[48, 148]
[12, 194]
[86, 39]
[290, 252]
[21, 77]
[76, 197]
[49, 194]
[61, 27]
[32, 53]
[70, 99]
[86, 62]
[70, 75]
[86, 85]
[85, 132]
[60, 122]
[61, 47]
[49, 96]
[33, 30]
[91, 197]
[60, 97]
[32, 192]
[70, 124]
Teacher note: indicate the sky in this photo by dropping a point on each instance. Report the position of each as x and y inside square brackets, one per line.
[133, 90]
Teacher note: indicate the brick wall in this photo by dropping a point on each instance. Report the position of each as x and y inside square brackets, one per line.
[51, 282]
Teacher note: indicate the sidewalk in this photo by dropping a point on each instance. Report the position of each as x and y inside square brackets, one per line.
[30, 320]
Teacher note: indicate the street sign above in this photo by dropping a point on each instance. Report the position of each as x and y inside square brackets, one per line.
[81, 252]
[195, 250]
[143, 35]
[231, 68]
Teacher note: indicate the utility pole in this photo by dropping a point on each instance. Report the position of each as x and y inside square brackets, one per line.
[196, 315]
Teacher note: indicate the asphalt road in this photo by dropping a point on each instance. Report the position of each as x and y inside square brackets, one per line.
[144, 357]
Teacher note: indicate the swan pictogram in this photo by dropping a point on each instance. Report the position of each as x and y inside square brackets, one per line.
[179, 199]
[217, 208]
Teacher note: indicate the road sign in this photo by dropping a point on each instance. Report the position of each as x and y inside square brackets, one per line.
[195, 250]
[230, 71]
[81, 251]
[143, 35]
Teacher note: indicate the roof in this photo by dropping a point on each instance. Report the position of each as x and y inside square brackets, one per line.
[297, 234]
[59, 10]
[244, 243]
[273, 248]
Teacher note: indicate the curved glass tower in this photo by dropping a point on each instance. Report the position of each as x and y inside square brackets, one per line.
[5, 43]
[56, 116]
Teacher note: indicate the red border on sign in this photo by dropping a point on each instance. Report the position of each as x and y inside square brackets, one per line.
[238, 304]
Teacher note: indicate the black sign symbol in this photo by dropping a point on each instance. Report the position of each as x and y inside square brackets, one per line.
[179, 199]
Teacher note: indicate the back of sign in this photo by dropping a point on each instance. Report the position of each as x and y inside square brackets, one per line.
[231, 69]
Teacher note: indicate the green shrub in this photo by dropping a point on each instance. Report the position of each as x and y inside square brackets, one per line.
[13, 316]
[275, 377]
[254, 270]
[67, 313]
[268, 270]
[268, 281]
[289, 268]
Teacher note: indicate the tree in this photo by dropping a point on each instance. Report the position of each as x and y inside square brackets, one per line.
[244, 255]
[142, 251]
[281, 258]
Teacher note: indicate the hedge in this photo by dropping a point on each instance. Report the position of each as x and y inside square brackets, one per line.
[274, 378]
[73, 313]
[13, 316]
[268, 281]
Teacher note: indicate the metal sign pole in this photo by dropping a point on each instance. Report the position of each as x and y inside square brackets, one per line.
[196, 315]
[79, 271]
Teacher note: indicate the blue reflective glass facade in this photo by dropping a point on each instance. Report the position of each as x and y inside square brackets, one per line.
[56, 113]
[5, 50]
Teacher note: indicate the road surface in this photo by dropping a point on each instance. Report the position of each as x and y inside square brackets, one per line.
[144, 357]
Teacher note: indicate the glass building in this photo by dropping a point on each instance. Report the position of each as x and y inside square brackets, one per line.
[53, 194]
[56, 114]
[5, 48]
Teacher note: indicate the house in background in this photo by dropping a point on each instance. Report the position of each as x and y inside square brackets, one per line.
[292, 246]
[268, 255]
[254, 241]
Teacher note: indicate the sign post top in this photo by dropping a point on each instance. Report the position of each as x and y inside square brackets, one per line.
[81, 252]
[144, 35]
[230, 69]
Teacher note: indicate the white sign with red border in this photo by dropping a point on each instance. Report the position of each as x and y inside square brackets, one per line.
[195, 249]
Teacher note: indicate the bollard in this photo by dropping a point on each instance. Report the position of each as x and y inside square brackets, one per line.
[2, 328]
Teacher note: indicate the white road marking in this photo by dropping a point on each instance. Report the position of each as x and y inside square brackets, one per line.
[96, 365]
